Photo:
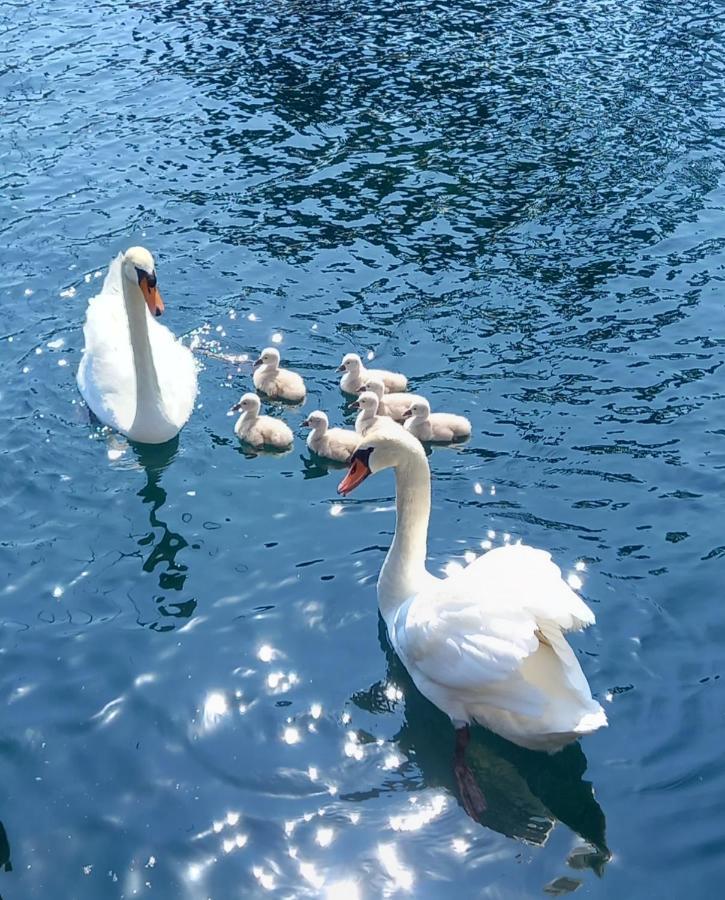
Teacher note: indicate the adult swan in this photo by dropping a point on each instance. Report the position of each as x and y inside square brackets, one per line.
[487, 643]
[134, 374]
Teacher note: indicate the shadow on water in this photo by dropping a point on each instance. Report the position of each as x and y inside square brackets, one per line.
[526, 792]
[163, 544]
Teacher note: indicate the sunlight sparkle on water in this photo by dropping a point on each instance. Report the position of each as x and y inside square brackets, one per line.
[311, 875]
[336, 509]
[343, 890]
[580, 566]
[291, 735]
[477, 488]
[215, 708]
[422, 816]
[401, 876]
[266, 653]
[277, 338]
[324, 836]
[266, 879]
[574, 581]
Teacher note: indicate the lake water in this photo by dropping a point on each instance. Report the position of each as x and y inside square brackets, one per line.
[522, 206]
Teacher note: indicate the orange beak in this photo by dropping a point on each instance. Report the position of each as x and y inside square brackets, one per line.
[152, 297]
[356, 474]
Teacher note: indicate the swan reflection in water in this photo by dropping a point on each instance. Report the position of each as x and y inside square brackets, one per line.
[526, 792]
[161, 545]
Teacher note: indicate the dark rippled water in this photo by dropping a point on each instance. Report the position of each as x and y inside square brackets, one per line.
[520, 204]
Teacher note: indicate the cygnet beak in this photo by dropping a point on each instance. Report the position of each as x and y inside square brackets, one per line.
[340, 368]
[355, 404]
[236, 407]
[306, 424]
[408, 413]
[258, 363]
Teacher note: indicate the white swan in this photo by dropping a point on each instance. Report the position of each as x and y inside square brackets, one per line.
[134, 374]
[368, 405]
[395, 404]
[355, 375]
[260, 431]
[276, 383]
[337, 444]
[428, 426]
[487, 643]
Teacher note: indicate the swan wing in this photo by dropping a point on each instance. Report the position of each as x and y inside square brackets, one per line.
[519, 577]
[456, 644]
[474, 631]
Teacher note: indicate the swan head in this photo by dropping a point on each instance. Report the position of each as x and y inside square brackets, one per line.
[375, 385]
[268, 357]
[386, 446]
[367, 402]
[249, 403]
[351, 363]
[317, 421]
[138, 266]
[419, 410]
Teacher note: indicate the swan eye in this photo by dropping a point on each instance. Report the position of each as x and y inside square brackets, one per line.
[150, 277]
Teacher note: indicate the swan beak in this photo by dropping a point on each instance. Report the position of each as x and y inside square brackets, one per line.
[340, 368]
[257, 363]
[306, 424]
[408, 413]
[152, 297]
[355, 404]
[236, 407]
[356, 474]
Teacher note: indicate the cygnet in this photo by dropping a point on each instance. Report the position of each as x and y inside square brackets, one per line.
[355, 375]
[428, 426]
[276, 383]
[260, 431]
[394, 405]
[337, 444]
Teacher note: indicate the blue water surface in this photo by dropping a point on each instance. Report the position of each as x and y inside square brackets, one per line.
[519, 204]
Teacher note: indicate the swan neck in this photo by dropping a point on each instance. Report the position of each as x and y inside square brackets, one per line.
[404, 566]
[148, 392]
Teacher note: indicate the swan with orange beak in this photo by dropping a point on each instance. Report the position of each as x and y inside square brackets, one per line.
[135, 376]
[487, 643]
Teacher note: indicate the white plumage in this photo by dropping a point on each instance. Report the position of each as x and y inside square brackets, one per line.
[277, 383]
[487, 643]
[355, 375]
[134, 374]
[337, 444]
[395, 404]
[260, 431]
[428, 426]
[368, 405]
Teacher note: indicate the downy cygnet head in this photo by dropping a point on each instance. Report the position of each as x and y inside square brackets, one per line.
[376, 386]
[249, 403]
[367, 402]
[316, 420]
[351, 362]
[419, 410]
[268, 357]
[138, 266]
